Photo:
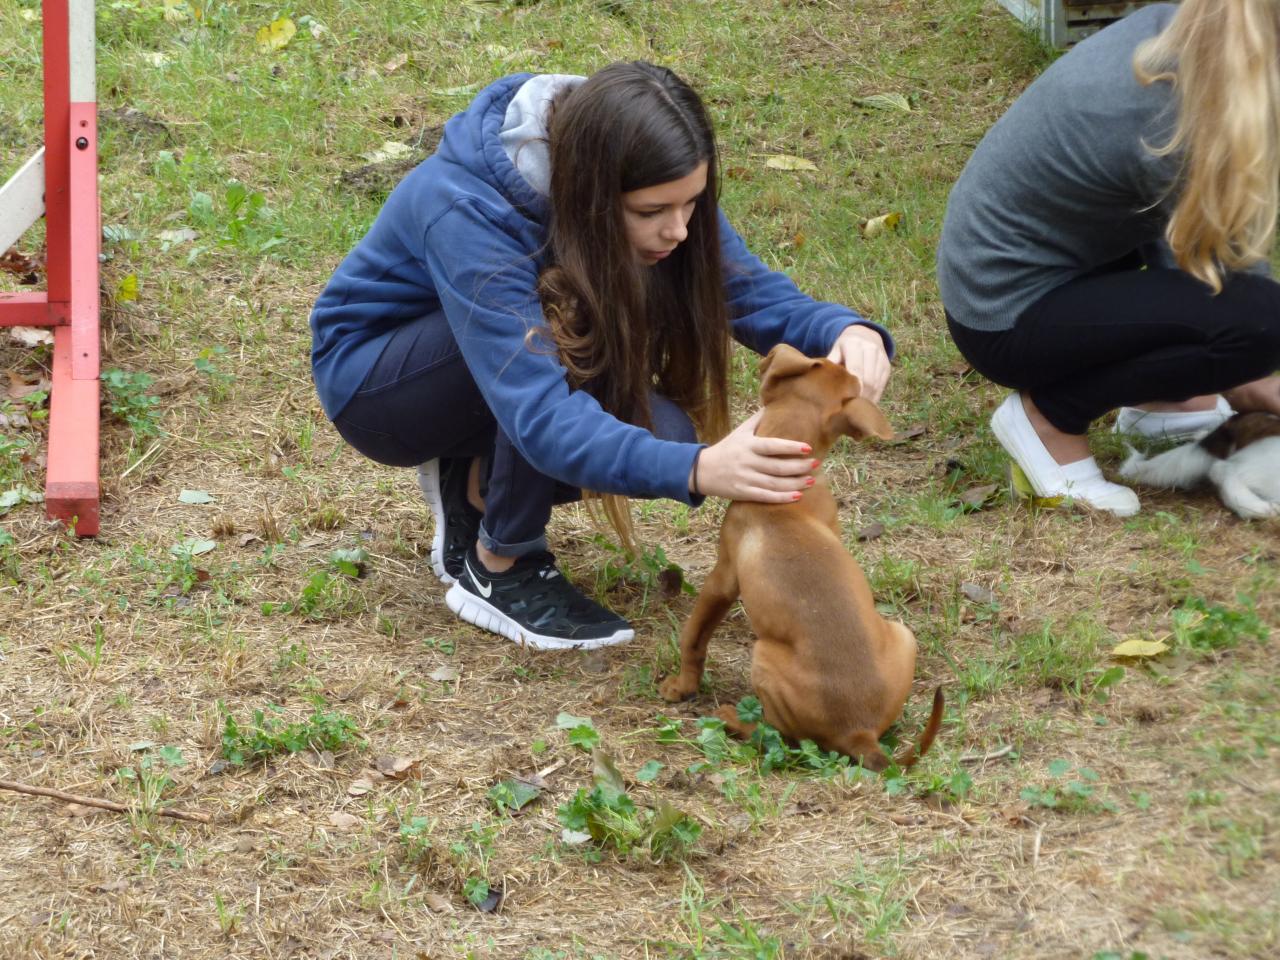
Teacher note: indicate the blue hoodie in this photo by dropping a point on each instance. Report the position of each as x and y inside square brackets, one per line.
[465, 232]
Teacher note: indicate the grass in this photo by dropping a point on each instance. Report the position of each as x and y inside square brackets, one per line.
[1073, 805]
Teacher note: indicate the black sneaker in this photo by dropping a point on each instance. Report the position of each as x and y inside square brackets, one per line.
[534, 605]
[444, 484]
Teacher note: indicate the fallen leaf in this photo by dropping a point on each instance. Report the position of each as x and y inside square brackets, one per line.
[605, 772]
[344, 821]
[878, 225]
[436, 903]
[248, 538]
[1140, 648]
[364, 783]
[445, 674]
[193, 547]
[870, 532]
[975, 497]
[396, 768]
[194, 496]
[31, 336]
[395, 63]
[127, 289]
[83, 810]
[574, 837]
[783, 161]
[20, 386]
[977, 593]
[390, 150]
[156, 58]
[138, 745]
[111, 886]
[275, 35]
[885, 101]
[168, 238]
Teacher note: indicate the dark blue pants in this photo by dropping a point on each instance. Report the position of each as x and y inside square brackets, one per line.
[1124, 336]
[420, 402]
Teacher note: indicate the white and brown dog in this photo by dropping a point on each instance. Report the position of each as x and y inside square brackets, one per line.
[1241, 458]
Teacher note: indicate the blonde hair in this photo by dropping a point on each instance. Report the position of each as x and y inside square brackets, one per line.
[1223, 59]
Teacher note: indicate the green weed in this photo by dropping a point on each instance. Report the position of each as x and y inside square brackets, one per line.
[1074, 790]
[128, 401]
[1210, 628]
[268, 735]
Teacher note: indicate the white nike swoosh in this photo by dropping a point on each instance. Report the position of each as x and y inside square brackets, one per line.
[484, 589]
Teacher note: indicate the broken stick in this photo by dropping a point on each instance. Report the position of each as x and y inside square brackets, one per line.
[17, 787]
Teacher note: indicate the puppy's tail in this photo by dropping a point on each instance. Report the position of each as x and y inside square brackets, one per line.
[909, 756]
[1178, 469]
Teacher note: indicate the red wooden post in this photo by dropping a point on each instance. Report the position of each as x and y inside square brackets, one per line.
[72, 230]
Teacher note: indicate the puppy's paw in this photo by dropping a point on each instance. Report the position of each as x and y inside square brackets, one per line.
[674, 689]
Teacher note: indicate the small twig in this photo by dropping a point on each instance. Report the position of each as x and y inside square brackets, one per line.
[95, 802]
[984, 757]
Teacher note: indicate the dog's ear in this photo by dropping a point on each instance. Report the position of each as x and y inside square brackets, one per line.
[864, 420]
[782, 363]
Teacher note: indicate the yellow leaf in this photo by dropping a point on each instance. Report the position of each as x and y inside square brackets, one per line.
[782, 161]
[1140, 648]
[878, 225]
[276, 35]
[127, 290]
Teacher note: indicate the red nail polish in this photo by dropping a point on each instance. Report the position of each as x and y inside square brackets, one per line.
[807, 449]
[809, 481]
[817, 464]
[796, 496]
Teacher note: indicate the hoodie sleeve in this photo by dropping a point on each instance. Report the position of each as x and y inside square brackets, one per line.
[486, 278]
[767, 308]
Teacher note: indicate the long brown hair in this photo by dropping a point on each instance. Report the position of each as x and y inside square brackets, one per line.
[1223, 59]
[623, 329]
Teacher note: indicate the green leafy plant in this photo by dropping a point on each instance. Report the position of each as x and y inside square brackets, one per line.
[129, 401]
[268, 735]
[1076, 790]
[606, 815]
[151, 777]
[328, 591]
[650, 571]
[1209, 628]
[242, 219]
[473, 854]
[511, 796]
[582, 732]
[415, 839]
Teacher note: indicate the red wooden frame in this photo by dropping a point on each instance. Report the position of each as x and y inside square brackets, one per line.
[70, 303]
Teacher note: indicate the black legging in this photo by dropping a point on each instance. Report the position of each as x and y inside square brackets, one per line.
[1124, 337]
[420, 402]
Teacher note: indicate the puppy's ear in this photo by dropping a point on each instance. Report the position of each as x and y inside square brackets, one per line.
[864, 420]
[782, 363]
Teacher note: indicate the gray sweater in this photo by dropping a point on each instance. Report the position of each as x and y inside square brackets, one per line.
[1062, 183]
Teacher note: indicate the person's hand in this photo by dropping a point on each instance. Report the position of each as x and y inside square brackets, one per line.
[860, 350]
[743, 466]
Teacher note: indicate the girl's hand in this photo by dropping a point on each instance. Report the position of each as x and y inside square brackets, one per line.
[860, 350]
[743, 466]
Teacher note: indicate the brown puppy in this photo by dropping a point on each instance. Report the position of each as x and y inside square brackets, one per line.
[826, 666]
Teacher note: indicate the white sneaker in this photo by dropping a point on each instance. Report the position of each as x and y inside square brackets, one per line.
[1171, 424]
[1081, 481]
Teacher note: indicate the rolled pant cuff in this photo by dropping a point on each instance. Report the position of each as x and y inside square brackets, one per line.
[511, 549]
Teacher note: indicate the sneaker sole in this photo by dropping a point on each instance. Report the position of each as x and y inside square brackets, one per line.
[476, 611]
[429, 484]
